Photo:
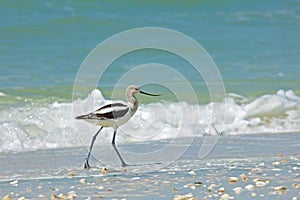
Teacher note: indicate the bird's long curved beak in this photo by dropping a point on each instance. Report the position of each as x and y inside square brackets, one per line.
[149, 94]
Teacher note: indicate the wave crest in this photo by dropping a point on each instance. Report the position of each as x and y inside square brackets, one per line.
[52, 125]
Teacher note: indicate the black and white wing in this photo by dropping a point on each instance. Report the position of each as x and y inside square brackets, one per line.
[110, 111]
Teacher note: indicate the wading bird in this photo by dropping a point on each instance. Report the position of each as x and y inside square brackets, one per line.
[113, 115]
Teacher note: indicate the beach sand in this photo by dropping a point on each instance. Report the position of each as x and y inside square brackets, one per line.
[263, 166]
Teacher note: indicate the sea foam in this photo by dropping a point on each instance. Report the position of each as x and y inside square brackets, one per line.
[52, 125]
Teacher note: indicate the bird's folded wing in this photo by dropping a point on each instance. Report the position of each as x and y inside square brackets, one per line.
[110, 111]
[112, 114]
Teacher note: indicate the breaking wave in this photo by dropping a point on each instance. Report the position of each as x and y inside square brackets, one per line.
[51, 125]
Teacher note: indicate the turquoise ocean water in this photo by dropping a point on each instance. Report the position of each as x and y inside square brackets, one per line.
[255, 45]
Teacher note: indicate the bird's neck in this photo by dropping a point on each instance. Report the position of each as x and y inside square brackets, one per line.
[133, 102]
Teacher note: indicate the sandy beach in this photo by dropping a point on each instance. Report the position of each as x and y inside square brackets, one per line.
[239, 167]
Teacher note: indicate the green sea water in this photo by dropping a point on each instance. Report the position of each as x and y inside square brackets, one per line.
[254, 44]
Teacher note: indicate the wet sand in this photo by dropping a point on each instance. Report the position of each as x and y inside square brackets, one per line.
[239, 167]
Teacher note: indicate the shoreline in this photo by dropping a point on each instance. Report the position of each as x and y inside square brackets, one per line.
[233, 168]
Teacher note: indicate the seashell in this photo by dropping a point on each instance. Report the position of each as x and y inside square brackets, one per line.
[226, 197]
[39, 187]
[294, 158]
[100, 187]
[221, 189]
[104, 170]
[237, 190]
[28, 189]
[253, 194]
[243, 177]
[190, 185]
[83, 181]
[257, 179]
[280, 189]
[70, 174]
[256, 171]
[62, 196]
[168, 182]
[174, 189]
[233, 180]
[211, 187]
[193, 187]
[14, 183]
[295, 168]
[198, 184]
[123, 170]
[276, 163]
[260, 183]
[71, 196]
[188, 196]
[135, 178]
[7, 197]
[296, 185]
[72, 193]
[249, 187]
[192, 173]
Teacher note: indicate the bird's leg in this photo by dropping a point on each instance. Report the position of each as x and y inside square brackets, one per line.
[114, 137]
[86, 164]
[115, 147]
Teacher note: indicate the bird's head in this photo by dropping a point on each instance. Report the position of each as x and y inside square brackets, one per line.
[134, 89]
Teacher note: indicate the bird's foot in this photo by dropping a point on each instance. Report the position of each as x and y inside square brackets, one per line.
[125, 164]
[86, 165]
[128, 165]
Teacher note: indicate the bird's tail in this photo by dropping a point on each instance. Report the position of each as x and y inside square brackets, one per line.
[82, 117]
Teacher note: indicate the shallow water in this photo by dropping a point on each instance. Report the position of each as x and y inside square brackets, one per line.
[40, 174]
